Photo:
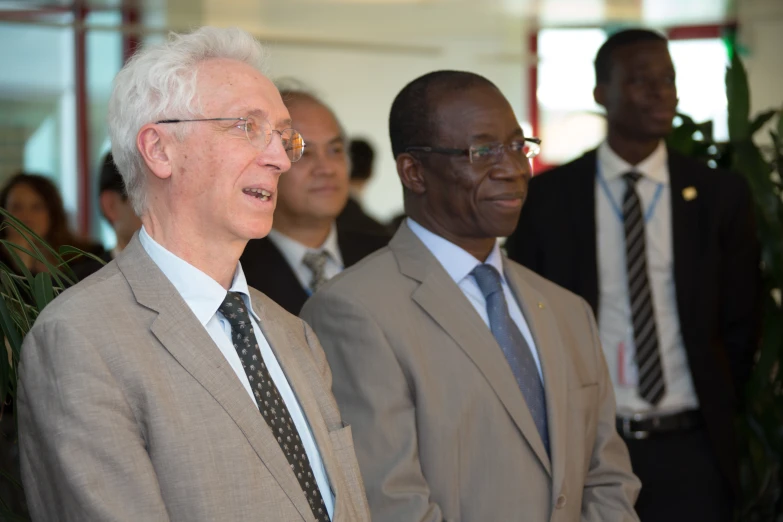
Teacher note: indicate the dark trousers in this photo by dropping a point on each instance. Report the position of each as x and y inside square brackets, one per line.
[680, 478]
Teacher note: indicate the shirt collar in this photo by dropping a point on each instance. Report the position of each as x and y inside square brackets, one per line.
[654, 166]
[201, 293]
[457, 262]
[293, 251]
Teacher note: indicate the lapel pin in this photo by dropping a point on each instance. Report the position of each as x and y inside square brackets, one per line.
[689, 193]
[540, 305]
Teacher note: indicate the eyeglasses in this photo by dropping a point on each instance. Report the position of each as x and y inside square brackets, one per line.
[259, 133]
[488, 153]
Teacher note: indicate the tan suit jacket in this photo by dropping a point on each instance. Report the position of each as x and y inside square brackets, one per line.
[441, 428]
[129, 412]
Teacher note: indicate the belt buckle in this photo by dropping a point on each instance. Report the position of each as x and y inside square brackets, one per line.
[628, 433]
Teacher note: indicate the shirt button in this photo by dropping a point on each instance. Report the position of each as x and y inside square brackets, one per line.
[561, 502]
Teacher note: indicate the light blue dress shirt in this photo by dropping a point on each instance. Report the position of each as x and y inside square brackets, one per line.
[204, 295]
[459, 264]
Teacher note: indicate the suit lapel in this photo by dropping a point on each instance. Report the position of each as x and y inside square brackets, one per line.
[685, 234]
[188, 342]
[322, 415]
[549, 346]
[348, 247]
[461, 322]
[268, 271]
[583, 223]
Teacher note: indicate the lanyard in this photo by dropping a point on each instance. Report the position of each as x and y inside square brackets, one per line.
[617, 210]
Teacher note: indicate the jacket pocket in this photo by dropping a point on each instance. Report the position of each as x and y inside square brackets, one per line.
[342, 444]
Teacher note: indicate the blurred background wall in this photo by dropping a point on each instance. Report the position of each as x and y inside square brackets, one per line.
[59, 57]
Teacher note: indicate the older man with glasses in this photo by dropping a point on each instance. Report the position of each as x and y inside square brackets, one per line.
[163, 388]
[476, 389]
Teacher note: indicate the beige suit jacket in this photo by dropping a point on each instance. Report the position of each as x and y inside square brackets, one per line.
[129, 412]
[441, 428]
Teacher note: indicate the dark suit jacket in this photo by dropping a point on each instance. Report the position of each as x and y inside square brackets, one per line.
[84, 267]
[267, 270]
[716, 271]
[353, 217]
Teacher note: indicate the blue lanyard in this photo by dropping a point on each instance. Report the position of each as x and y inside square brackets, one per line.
[617, 210]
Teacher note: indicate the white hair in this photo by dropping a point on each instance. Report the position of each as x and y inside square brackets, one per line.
[159, 82]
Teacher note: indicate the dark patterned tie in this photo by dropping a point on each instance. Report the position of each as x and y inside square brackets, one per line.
[514, 347]
[316, 262]
[645, 334]
[269, 401]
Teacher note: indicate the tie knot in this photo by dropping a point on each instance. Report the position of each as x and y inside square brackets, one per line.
[488, 279]
[316, 261]
[234, 310]
[632, 177]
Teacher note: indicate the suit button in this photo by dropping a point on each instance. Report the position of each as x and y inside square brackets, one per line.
[561, 502]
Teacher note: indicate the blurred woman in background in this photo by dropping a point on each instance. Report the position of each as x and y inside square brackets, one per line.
[35, 201]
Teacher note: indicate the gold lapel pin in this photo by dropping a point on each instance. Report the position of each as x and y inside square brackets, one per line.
[689, 193]
[540, 305]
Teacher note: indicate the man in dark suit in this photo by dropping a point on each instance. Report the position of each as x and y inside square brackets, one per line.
[664, 249]
[306, 247]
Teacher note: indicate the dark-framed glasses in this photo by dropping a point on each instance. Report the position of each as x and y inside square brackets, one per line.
[487, 153]
[259, 133]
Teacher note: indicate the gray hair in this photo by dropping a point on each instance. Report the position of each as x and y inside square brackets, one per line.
[159, 82]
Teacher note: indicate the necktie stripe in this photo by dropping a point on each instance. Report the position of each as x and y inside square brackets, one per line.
[635, 247]
[635, 223]
[647, 332]
[641, 306]
[651, 379]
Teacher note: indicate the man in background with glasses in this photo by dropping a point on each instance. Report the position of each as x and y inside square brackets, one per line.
[162, 387]
[476, 389]
[664, 250]
[306, 246]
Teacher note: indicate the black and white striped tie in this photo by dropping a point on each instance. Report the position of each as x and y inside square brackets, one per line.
[645, 334]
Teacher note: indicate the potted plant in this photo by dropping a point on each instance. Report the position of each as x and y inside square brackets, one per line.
[760, 424]
[22, 297]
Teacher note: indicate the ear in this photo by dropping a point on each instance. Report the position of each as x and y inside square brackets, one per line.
[411, 173]
[109, 201]
[599, 95]
[151, 143]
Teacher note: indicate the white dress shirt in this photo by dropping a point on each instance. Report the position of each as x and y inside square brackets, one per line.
[204, 295]
[294, 252]
[614, 311]
[459, 264]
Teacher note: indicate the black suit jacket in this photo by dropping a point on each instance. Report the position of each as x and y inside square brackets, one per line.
[267, 270]
[353, 217]
[716, 272]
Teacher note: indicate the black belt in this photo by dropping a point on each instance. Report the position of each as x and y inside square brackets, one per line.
[637, 427]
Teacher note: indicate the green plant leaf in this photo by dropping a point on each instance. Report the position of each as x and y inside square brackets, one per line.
[42, 290]
[739, 100]
[760, 120]
[780, 123]
[5, 369]
[7, 324]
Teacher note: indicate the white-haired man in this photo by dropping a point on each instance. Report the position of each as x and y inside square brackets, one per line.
[162, 388]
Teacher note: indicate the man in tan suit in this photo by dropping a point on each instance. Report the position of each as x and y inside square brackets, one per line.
[162, 387]
[476, 389]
